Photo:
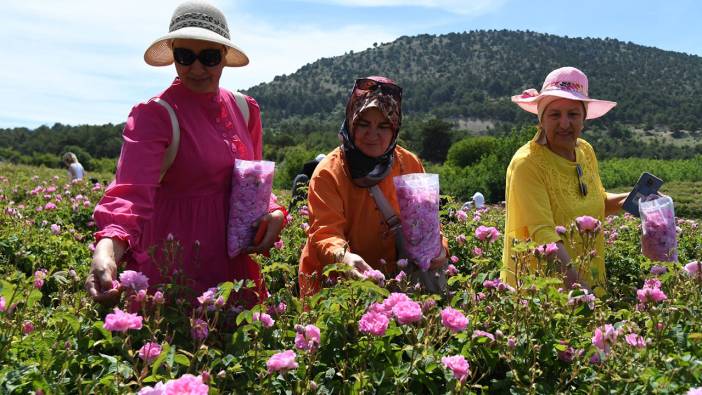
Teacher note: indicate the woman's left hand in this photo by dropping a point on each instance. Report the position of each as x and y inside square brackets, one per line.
[440, 261]
[274, 224]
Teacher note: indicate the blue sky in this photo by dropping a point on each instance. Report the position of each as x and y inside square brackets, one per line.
[81, 61]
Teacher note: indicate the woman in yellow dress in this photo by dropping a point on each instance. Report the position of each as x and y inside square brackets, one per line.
[554, 179]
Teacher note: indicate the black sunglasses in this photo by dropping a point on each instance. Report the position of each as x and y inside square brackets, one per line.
[208, 57]
[367, 84]
[583, 186]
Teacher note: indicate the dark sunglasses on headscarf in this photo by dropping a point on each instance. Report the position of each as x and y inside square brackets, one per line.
[208, 57]
[367, 84]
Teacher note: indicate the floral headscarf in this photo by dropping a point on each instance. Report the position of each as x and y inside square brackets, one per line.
[367, 171]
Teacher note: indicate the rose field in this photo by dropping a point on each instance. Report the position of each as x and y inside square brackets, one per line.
[379, 335]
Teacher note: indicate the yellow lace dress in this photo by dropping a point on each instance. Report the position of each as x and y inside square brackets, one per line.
[542, 192]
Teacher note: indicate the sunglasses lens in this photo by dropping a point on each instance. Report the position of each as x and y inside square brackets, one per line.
[392, 90]
[184, 56]
[210, 57]
[367, 84]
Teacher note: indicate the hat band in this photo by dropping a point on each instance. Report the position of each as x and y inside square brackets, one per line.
[565, 86]
[196, 19]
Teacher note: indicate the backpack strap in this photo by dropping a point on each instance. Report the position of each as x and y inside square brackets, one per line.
[172, 149]
[240, 100]
[391, 219]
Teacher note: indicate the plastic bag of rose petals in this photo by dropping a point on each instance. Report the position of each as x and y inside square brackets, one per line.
[252, 184]
[418, 196]
[658, 238]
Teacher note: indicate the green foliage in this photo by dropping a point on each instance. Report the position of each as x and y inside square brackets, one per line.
[472, 75]
[436, 138]
[542, 342]
[470, 150]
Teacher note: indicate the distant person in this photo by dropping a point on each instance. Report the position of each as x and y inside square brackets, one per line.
[478, 200]
[301, 180]
[346, 223]
[188, 198]
[75, 169]
[554, 178]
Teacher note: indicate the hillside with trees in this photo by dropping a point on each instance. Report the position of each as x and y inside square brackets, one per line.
[449, 81]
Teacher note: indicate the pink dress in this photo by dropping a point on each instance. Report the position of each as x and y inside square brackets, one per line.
[192, 201]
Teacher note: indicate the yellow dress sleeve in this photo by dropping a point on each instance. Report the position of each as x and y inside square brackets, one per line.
[529, 205]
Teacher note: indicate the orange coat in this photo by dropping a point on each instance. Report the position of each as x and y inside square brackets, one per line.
[344, 216]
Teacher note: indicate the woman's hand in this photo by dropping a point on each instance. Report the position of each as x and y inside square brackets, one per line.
[103, 270]
[273, 223]
[440, 261]
[357, 264]
[614, 202]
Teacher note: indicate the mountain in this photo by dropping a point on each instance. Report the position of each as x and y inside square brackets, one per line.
[473, 74]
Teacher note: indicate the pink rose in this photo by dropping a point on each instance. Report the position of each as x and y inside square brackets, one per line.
[453, 319]
[451, 270]
[478, 334]
[266, 320]
[119, 321]
[587, 224]
[604, 337]
[282, 362]
[694, 269]
[484, 233]
[3, 303]
[376, 275]
[407, 312]
[55, 229]
[27, 327]
[375, 323]
[199, 330]
[278, 245]
[458, 365]
[149, 351]
[158, 297]
[207, 297]
[134, 280]
[461, 216]
[307, 338]
[635, 340]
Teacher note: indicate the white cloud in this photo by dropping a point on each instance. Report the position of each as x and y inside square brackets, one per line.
[462, 7]
[80, 61]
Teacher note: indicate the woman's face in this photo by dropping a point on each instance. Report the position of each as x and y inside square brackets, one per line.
[563, 122]
[372, 132]
[198, 77]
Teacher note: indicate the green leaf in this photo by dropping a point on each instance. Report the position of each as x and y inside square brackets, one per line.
[695, 337]
[181, 359]
[165, 350]
[99, 326]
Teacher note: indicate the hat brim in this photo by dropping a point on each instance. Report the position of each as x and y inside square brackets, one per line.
[160, 53]
[595, 107]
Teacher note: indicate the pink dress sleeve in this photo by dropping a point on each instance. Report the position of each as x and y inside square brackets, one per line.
[128, 201]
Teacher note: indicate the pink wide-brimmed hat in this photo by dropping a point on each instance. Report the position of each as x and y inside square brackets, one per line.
[567, 83]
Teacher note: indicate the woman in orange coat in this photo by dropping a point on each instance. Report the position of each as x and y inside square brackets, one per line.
[346, 225]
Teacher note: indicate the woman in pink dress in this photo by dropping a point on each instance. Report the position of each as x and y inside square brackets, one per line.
[143, 208]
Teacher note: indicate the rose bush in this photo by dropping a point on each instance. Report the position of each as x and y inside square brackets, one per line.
[642, 336]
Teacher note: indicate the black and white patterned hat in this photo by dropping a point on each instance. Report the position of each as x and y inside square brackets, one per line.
[195, 20]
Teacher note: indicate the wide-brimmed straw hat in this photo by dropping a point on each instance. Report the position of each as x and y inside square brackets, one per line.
[195, 20]
[566, 83]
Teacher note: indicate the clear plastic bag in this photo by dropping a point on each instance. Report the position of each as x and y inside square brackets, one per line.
[252, 184]
[418, 196]
[658, 238]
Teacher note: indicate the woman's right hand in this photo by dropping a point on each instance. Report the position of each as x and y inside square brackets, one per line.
[357, 264]
[103, 270]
